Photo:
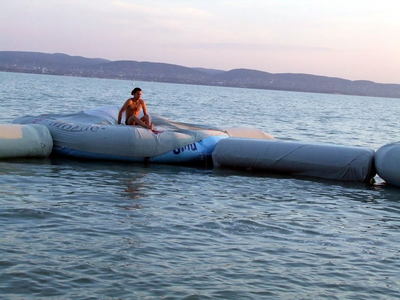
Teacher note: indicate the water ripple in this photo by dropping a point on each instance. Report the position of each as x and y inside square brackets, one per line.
[72, 229]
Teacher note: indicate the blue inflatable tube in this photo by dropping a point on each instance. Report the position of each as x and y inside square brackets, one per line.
[198, 152]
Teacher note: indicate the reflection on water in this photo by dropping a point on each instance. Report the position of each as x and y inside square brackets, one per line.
[134, 188]
[102, 223]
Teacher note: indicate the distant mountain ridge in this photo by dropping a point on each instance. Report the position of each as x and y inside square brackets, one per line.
[63, 64]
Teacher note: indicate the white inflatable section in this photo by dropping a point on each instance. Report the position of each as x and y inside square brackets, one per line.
[316, 160]
[247, 133]
[95, 134]
[25, 141]
[387, 163]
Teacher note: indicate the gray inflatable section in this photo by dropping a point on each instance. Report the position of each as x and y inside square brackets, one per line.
[32, 140]
[387, 163]
[309, 159]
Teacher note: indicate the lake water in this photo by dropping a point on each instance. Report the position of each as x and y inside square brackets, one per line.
[73, 229]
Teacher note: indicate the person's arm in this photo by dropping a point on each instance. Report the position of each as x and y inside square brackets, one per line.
[121, 111]
[147, 121]
[144, 107]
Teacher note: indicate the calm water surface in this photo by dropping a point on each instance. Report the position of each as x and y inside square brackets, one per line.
[73, 229]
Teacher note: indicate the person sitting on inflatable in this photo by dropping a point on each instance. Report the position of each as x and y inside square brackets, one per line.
[132, 107]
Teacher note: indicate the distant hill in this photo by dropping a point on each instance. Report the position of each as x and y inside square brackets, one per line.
[63, 64]
[148, 71]
[56, 60]
[210, 71]
[307, 83]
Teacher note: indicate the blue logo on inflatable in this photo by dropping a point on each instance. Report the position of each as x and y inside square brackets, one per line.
[190, 147]
[67, 126]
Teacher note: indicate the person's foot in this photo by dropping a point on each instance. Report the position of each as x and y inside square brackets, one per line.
[156, 131]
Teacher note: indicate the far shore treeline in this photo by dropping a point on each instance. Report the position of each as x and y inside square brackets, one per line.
[63, 64]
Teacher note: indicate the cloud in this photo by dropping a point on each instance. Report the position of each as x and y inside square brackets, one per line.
[141, 14]
[252, 47]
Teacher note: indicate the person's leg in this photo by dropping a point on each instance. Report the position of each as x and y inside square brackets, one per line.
[146, 119]
[133, 120]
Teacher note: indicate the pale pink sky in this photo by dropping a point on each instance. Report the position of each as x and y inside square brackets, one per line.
[351, 39]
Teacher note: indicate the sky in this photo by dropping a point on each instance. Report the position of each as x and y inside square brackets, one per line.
[350, 39]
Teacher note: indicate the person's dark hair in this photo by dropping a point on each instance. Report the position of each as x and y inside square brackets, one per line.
[136, 90]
